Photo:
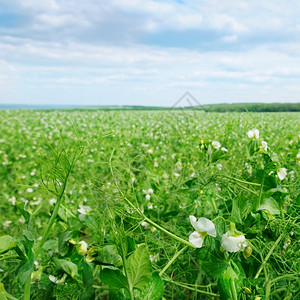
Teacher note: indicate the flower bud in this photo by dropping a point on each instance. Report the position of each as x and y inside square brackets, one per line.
[247, 252]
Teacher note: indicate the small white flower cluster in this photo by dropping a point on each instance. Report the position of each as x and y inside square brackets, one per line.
[231, 242]
[217, 146]
[253, 134]
[148, 192]
[56, 280]
[83, 210]
[281, 173]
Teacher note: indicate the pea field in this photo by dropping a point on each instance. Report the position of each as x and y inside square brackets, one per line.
[149, 205]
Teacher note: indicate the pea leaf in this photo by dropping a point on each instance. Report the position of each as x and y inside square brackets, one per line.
[4, 294]
[88, 280]
[139, 268]
[6, 243]
[68, 266]
[63, 242]
[109, 255]
[153, 291]
[113, 278]
[230, 284]
[270, 205]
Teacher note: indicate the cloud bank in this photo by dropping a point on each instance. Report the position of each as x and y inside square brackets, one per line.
[148, 52]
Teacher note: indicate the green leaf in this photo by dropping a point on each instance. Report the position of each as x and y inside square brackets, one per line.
[229, 284]
[88, 280]
[63, 242]
[68, 266]
[109, 255]
[139, 268]
[51, 245]
[211, 262]
[122, 294]
[4, 295]
[24, 212]
[270, 205]
[6, 243]
[236, 212]
[113, 278]
[29, 235]
[153, 291]
[25, 271]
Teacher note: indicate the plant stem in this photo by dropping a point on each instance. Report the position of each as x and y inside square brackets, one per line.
[268, 256]
[170, 234]
[214, 205]
[191, 288]
[242, 181]
[9, 257]
[173, 236]
[233, 289]
[261, 191]
[172, 260]
[130, 288]
[46, 232]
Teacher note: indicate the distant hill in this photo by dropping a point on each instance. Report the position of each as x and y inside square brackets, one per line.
[236, 107]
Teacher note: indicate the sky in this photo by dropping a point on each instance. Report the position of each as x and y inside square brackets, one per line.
[146, 52]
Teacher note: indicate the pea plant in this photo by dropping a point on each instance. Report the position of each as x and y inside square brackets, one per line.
[147, 213]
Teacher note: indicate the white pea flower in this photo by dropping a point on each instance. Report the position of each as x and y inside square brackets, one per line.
[148, 197]
[264, 145]
[233, 243]
[57, 281]
[154, 257]
[6, 224]
[253, 134]
[52, 201]
[216, 145]
[282, 172]
[52, 278]
[150, 191]
[145, 225]
[83, 210]
[12, 200]
[82, 250]
[203, 227]
[224, 149]
[219, 167]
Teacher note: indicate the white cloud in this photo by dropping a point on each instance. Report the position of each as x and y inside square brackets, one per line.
[231, 50]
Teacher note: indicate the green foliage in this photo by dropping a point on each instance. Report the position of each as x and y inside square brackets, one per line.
[117, 226]
[6, 243]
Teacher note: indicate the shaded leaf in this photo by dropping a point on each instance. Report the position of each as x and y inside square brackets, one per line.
[68, 266]
[139, 268]
[270, 205]
[88, 280]
[63, 242]
[113, 278]
[153, 291]
[6, 243]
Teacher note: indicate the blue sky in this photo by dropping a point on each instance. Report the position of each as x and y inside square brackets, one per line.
[129, 52]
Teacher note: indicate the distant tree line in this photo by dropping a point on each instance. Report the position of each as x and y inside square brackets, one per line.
[251, 107]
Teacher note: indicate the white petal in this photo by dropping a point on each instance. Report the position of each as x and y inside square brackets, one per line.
[281, 173]
[206, 225]
[256, 133]
[196, 239]
[216, 145]
[193, 221]
[233, 243]
[250, 134]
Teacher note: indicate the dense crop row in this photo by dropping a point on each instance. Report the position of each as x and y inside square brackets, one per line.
[148, 205]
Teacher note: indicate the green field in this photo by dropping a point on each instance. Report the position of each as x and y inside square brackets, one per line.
[97, 205]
